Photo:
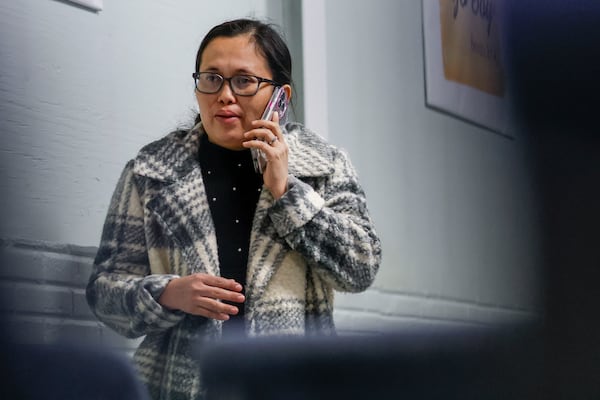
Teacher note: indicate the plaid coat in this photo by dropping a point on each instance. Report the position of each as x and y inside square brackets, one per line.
[315, 239]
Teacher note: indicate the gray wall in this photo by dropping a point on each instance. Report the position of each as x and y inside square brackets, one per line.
[453, 203]
[82, 92]
[42, 287]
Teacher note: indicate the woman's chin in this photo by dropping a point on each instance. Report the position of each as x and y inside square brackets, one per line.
[228, 139]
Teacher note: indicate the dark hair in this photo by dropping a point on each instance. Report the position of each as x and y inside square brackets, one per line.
[267, 39]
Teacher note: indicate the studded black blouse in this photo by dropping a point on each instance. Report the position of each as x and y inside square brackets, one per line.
[232, 188]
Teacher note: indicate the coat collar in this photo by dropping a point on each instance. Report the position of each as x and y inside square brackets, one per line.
[175, 156]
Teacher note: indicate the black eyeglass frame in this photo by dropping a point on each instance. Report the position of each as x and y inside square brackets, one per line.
[196, 76]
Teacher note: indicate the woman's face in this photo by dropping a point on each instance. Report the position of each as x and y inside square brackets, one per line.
[225, 115]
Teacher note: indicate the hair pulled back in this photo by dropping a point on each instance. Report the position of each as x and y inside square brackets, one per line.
[268, 41]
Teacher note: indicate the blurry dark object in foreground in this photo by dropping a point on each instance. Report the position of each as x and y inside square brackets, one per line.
[554, 48]
[445, 365]
[66, 372]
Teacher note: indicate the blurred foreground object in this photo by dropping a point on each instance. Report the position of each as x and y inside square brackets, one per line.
[65, 372]
[456, 364]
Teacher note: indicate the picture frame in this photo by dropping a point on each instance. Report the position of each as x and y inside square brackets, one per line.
[465, 71]
[95, 5]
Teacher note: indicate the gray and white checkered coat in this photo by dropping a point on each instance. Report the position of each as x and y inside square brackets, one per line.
[315, 239]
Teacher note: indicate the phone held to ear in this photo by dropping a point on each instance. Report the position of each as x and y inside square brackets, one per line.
[278, 102]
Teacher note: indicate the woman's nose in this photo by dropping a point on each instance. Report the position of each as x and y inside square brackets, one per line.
[226, 95]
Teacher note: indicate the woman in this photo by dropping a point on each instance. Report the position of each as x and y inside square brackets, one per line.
[196, 244]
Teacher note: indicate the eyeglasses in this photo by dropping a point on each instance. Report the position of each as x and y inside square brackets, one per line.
[242, 85]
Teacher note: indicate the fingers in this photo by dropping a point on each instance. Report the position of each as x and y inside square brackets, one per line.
[216, 287]
[204, 295]
[223, 294]
[266, 131]
[272, 143]
[260, 138]
[267, 141]
[211, 308]
[219, 282]
[208, 299]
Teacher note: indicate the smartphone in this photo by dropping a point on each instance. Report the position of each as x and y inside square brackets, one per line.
[278, 102]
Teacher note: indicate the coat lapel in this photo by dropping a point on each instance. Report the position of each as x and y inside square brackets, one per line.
[179, 198]
[309, 157]
[184, 211]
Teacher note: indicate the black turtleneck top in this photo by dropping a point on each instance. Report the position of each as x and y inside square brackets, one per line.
[232, 188]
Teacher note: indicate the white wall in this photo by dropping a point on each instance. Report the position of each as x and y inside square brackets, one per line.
[453, 203]
[81, 93]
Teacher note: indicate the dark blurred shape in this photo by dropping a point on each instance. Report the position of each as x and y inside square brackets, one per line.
[554, 49]
[65, 372]
[440, 364]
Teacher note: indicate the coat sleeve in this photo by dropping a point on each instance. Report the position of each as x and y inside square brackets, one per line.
[332, 230]
[121, 291]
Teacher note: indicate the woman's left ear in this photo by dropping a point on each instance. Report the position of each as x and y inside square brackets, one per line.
[288, 90]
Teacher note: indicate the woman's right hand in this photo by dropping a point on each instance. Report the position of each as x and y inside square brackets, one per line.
[201, 294]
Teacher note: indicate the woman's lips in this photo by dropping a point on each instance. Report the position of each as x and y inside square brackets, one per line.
[227, 117]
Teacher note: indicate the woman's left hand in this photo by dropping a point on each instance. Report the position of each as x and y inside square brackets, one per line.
[272, 143]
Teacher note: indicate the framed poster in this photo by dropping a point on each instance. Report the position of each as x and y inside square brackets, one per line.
[464, 63]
